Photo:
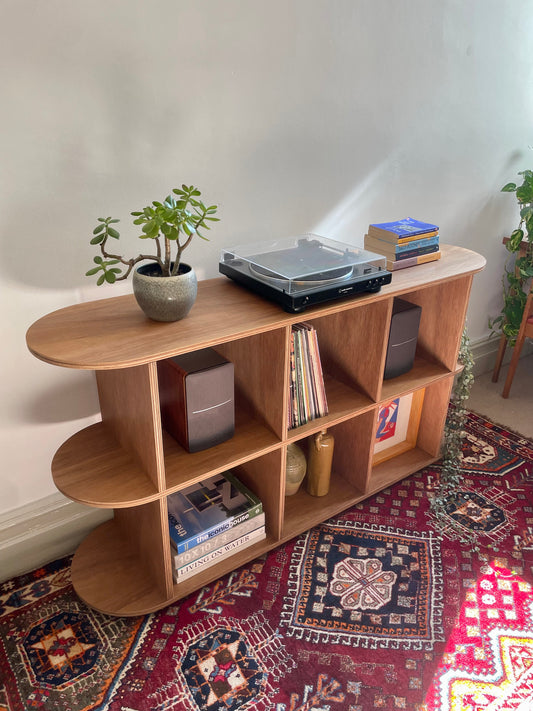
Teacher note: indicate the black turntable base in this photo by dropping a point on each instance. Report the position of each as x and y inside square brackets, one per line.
[304, 271]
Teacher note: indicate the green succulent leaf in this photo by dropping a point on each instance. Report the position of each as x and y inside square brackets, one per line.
[182, 212]
[509, 188]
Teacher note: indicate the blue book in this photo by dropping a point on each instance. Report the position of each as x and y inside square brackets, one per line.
[208, 508]
[407, 227]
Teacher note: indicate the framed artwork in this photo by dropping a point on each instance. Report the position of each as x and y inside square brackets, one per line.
[397, 427]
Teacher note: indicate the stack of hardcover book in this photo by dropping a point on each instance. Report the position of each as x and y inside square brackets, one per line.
[211, 520]
[404, 243]
[307, 399]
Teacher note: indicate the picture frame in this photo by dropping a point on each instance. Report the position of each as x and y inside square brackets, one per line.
[397, 426]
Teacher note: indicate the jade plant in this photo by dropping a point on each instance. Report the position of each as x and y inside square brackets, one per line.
[171, 225]
[519, 267]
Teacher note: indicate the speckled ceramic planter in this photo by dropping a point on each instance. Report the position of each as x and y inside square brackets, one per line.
[165, 298]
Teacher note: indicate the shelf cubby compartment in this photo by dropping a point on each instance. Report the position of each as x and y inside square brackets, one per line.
[251, 439]
[259, 414]
[349, 476]
[262, 475]
[427, 446]
[352, 348]
[261, 375]
[442, 320]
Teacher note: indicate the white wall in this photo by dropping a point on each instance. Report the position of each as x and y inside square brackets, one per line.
[293, 116]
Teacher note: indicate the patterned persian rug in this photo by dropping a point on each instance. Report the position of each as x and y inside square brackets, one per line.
[384, 607]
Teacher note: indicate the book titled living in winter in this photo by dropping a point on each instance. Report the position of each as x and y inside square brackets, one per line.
[208, 508]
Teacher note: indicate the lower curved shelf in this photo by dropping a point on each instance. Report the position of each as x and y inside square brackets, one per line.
[110, 577]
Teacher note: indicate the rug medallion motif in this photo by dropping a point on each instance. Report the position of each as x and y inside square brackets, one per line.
[364, 586]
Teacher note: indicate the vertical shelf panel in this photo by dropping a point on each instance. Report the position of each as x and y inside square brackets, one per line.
[351, 452]
[146, 527]
[263, 476]
[434, 412]
[129, 401]
[261, 375]
[353, 345]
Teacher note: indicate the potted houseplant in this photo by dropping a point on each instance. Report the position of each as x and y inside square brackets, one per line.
[165, 287]
[519, 267]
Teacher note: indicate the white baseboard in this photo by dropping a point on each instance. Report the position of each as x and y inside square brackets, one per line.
[485, 350]
[44, 530]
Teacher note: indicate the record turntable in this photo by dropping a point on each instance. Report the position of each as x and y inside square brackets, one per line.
[301, 271]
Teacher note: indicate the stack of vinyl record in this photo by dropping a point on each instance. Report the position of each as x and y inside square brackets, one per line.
[307, 399]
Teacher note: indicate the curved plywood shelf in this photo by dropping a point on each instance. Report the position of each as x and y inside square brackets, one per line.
[114, 333]
[93, 469]
[109, 575]
[129, 463]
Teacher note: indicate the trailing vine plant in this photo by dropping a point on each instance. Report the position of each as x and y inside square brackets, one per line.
[454, 432]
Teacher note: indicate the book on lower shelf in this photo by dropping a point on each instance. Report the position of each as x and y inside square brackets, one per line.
[208, 508]
[307, 399]
[215, 542]
[225, 551]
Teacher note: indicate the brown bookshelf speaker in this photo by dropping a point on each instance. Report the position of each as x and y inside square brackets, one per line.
[196, 393]
[403, 336]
